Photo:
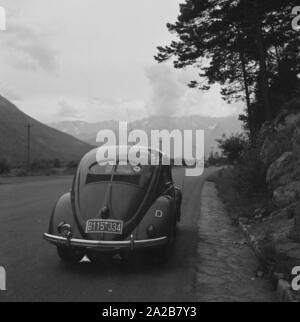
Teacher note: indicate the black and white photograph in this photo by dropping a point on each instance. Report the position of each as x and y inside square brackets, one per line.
[149, 154]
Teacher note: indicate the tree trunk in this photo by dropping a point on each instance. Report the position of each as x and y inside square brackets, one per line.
[247, 92]
[262, 63]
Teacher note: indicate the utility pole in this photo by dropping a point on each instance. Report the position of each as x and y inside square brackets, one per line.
[28, 126]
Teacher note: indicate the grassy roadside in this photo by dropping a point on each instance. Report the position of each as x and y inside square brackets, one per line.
[238, 204]
[30, 179]
[21, 176]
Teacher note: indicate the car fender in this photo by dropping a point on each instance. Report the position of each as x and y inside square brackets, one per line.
[62, 212]
[161, 215]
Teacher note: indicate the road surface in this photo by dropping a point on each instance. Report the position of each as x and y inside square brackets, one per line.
[34, 273]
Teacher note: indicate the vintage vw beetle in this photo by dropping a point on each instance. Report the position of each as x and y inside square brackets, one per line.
[116, 209]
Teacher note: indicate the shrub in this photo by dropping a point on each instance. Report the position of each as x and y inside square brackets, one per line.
[72, 165]
[233, 146]
[4, 166]
[42, 165]
[19, 172]
[51, 172]
[250, 172]
[56, 164]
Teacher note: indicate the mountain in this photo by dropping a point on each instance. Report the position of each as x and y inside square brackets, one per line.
[84, 131]
[214, 127]
[46, 142]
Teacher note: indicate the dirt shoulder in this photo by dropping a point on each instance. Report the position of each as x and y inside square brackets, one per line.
[227, 267]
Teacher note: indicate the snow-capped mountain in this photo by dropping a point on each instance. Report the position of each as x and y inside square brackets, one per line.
[214, 127]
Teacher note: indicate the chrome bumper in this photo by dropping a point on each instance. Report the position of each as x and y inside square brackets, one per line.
[105, 245]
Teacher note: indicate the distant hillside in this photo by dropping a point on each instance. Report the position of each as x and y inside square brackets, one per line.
[214, 127]
[46, 142]
[84, 131]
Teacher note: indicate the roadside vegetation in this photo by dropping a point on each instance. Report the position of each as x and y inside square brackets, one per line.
[38, 168]
[4, 166]
[242, 183]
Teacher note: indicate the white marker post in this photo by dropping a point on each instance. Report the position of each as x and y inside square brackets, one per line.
[296, 20]
[2, 19]
[296, 280]
[2, 279]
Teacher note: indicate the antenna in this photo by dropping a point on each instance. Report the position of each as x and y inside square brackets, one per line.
[29, 126]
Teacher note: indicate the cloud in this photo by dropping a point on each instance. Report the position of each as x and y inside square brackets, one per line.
[67, 111]
[29, 49]
[171, 96]
[9, 93]
[80, 108]
[55, 63]
[101, 108]
[166, 90]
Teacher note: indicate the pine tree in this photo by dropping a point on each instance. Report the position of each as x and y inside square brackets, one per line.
[247, 46]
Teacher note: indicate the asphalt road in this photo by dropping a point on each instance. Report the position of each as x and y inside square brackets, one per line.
[34, 273]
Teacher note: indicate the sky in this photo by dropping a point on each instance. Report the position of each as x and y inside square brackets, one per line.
[92, 60]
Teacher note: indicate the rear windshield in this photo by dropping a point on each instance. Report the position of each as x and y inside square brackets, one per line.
[98, 169]
[119, 173]
[118, 169]
[128, 169]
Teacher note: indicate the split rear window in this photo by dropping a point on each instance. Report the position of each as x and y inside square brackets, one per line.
[119, 173]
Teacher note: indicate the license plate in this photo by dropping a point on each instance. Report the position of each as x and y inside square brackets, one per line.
[104, 226]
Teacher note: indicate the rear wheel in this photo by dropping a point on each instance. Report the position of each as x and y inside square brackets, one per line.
[69, 256]
[163, 253]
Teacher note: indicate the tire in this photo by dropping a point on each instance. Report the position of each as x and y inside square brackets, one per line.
[70, 256]
[164, 252]
[178, 215]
